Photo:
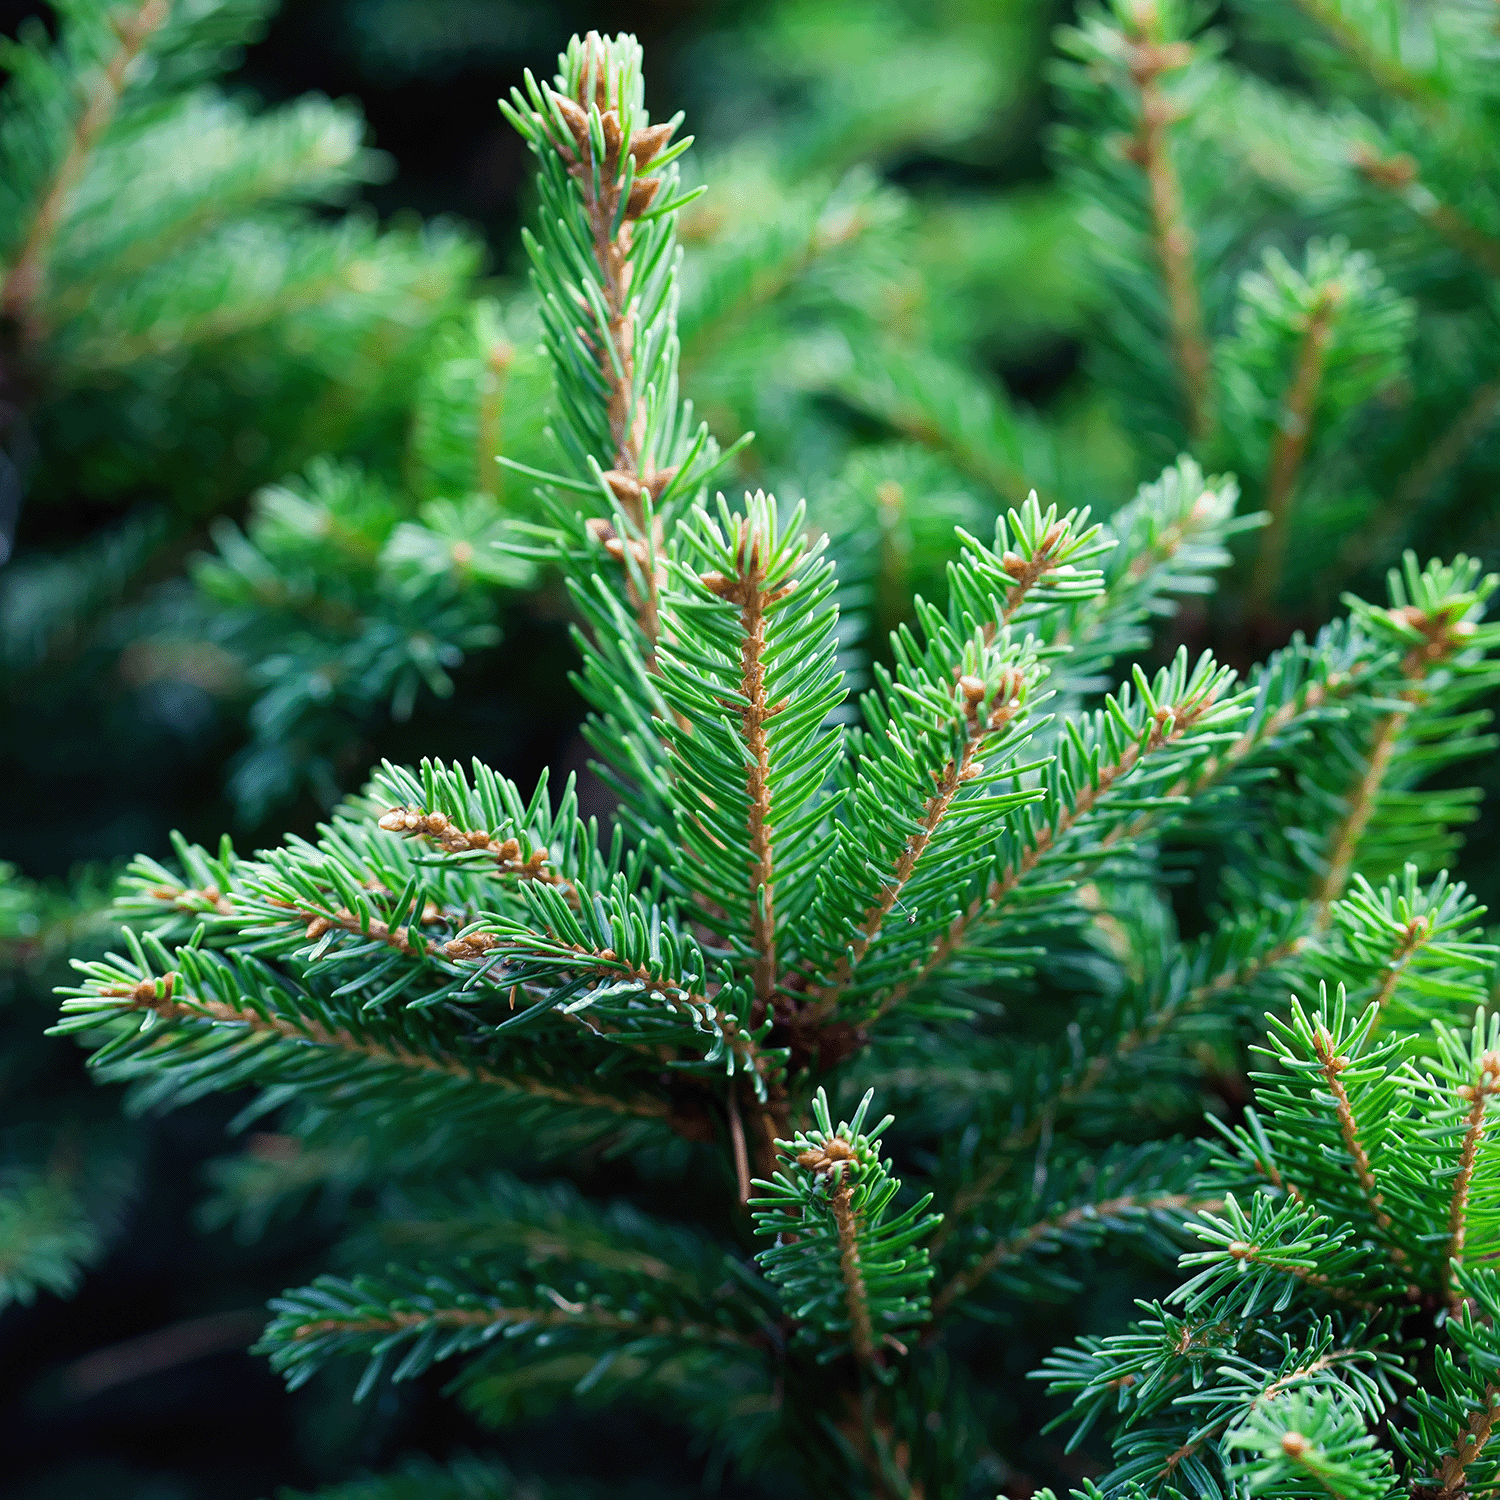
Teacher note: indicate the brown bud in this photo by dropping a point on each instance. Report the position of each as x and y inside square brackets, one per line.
[317, 927]
[625, 487]
[1014, 564]
[508, 851]
[616, 548]
[715, 582]
[972, 687]
[1294, 1445]
[642, 191]
[575, 117]
[657, 481]
[598, 528]
[646, 145]
[394, 821]
[610, 120]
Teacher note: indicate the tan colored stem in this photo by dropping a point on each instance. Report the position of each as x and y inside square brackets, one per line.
[173, 1006]
[572, 1315]
[1294, 433]
[1017, 1245]
[1479, 1093]
[23, 282]
[1172, 238]
[1001, 888]
[1361, 809]
[737, 1143]
[856, 1297]
[489, 474]
[1332, 1065]
[748, 592]
[1451, 1478]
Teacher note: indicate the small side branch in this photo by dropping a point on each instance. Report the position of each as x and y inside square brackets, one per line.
[1361, 809]
[1151, 150]
[856, 1296]
[23, 283]
[1333, 1065]
[1451, 1479]
[1479, 1094]
[1003, 1252]
[1294, 433]
[164, 1000]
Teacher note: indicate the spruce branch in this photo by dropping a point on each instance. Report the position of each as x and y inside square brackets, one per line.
[25, 277]
[1294, 432]
[1147, 58]
[1399, 176]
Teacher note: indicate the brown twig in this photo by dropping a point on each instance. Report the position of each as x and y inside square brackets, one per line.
[1151, 150]
[23, 282]
[1451, 1478]
[1479, 1094]
[614, 341]
[856, 1296]
[1362, 802]
[1333, 1064]
[1293, 434]
[1056, 1225]
[747, 591]
[566, 1315]
[164, 1000]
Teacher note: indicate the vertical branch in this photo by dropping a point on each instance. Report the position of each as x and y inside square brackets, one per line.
[1361, 809]
[1151, 150]
[856, 1296]
[1478, 1095]
[488, 475]
[1333, 1064]
[611, 232]
[1293, 434]
[23, 282]
[747, 590]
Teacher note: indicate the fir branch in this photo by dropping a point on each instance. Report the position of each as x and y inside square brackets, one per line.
[1293, 434]
[1485, 1086]
[1056, 1226]
[1361, 808]
[1398, 176]
[1384, 71]
[1333, 1063]
[1451, 1480]
[506, 852]
[856, 1294]
[747, 591]
[23, 282]
[1151, 150]
[167, 1002]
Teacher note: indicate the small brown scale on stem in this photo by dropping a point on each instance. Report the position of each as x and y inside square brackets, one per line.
[631, 476]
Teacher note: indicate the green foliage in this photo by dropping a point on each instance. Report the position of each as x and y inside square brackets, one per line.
[537, 1071]
[1367, 1171]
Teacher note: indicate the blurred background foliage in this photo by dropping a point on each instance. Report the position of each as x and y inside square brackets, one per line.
[253, 365]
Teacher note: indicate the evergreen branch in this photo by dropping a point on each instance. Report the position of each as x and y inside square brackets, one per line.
[163, 1000]
[23, 281]
[1451, 1478]
[1384, 71]
[1360, 809]
[434, 1317]
[852, 1274]
[506, 853]
[1485, 1086]
[1151, 150]
[856, 1294]
[1398, 176]
[1058, 1226]
[1333, 1063]
[1293, 434]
